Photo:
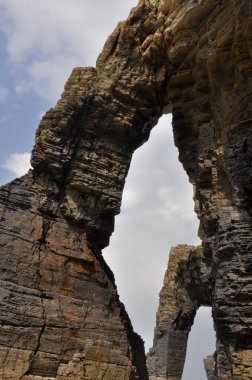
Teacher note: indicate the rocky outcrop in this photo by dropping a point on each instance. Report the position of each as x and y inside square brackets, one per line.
[186, 287]
[209, 364]
[61, 317]
[211, 95]
[60, 314]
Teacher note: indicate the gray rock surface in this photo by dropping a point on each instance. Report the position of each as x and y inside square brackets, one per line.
[186, 287]
[60, 314]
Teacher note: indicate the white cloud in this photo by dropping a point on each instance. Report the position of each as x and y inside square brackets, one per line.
[162, 215]
[157, 213]
[130, 198]
[46, 39]
[18, 163]
[47, 77]
[201, 343]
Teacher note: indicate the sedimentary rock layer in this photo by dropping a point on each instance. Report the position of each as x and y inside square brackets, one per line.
[186, 287]
[208, 43]
[211, 96]
[60, 314]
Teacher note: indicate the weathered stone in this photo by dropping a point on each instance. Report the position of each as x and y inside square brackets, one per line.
[209, 364]
[58, 302]
[182, 293]
[60, 314]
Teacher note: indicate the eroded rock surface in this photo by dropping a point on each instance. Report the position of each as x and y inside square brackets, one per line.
[186, 287]
[209, 364]
[60, 314]
[211, 96]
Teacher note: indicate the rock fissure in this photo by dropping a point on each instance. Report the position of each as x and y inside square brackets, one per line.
[42, 242]
[33, 356]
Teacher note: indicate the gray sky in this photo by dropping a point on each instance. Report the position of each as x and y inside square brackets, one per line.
[40, 42]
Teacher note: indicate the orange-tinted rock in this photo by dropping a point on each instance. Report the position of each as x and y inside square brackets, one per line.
[60, 314]
[59, 304]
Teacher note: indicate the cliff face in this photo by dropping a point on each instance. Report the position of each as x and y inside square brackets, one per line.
[211, 97]
[185, 288]
[60, 313]
[208, 45]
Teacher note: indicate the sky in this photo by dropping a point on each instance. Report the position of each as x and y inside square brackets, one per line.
[40, 42]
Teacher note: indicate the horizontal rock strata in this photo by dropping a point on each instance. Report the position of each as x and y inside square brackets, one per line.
[61, 317]
[211, 96]
[60, 313]
[182, 294]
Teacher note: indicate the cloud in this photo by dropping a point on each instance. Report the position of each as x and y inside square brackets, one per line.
[17, 163]
[130, 198]
[46, 39]
[201, 343]
[157, 213]
[47, 77]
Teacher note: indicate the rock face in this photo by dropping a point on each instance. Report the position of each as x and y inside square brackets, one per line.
[210, 91]
[185, 289]
[60, 314]
[209, 364]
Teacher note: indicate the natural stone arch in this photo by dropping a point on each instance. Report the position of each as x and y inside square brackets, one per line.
[186, 287]
[178, 54]
[63, 211]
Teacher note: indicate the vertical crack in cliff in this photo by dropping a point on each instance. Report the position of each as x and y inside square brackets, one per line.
[40, 246]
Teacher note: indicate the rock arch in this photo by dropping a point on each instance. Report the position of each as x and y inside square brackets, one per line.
[61, 317]
[186, 287]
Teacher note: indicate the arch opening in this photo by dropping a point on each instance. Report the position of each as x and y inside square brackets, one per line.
[157, 212]
[201, 343]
